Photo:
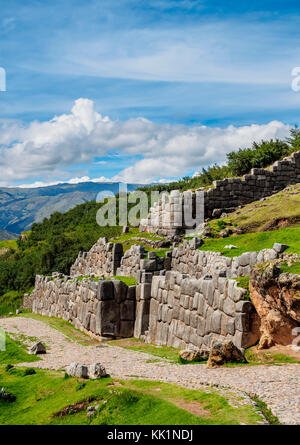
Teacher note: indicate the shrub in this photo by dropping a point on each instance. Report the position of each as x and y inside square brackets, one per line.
[29, 371]
[259, 156]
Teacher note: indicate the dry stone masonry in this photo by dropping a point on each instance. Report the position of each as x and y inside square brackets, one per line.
[197, 263]
[189, 298]
[186, 299]
[103, 258]
[166, 216]
[105, 308]
[191, 313]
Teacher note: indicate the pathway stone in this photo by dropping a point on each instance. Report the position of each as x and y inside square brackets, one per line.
[278, 386]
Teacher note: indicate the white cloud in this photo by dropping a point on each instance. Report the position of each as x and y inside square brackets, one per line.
[168, 151]
[82, 179]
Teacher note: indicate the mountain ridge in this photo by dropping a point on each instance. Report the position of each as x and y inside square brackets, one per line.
[21, 207]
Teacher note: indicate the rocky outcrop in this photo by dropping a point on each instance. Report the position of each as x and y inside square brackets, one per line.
[225, 352]
[276, 298]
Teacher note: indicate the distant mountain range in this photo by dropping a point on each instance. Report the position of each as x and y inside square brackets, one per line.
[5, 235]
[20, 207]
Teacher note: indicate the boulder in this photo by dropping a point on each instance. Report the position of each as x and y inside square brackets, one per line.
[276, 298]
[38, 348]
[190, 355]
[77, 370]
[96, 371]
[225, 352]
[280, 248]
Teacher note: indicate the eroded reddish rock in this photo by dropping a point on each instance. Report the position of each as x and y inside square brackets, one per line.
[276, 298]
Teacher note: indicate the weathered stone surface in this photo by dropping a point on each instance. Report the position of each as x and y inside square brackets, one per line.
[38, 348]
[225, 352]
[96, 307]
[96, 371]
[77, 370]
[280, 248]
[276, 298]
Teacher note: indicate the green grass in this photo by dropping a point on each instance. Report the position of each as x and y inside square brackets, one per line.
[267, 357]
[9, 244]
[64, 327]
[294, 269]
[159, 252]
[282, 207]
[41, 398]
[127, 238]
[135, 233]
[251, 242]
[134, 344]
[244, 282]
[129, 281]
[267, 413]
[15, 352]
[10, 301]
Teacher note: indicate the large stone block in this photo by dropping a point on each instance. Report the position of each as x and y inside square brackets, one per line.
[105, 290]
[127, 310]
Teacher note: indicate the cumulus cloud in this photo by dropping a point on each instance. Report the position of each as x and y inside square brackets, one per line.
[83, 135]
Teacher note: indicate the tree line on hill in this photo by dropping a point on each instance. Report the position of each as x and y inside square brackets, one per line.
[239, 163]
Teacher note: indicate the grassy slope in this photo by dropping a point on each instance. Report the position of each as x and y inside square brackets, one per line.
[15, 353]
[64, 327]
[8, 244]
[41, 395]
[255, 241]
[10, 301]
[280, 209]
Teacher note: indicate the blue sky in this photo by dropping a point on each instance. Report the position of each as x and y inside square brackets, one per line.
[178, 79]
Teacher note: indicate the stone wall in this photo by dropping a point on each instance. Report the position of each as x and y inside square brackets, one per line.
[187, 259]
[134, 262]
[191, 313]
[105, 308]
[171, 214]
[226, 195]
[260, 183]
[103, 259]
[130, 262]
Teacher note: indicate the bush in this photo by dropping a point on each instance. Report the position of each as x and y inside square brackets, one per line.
[8, 367]
[259, 156]
[29, 371]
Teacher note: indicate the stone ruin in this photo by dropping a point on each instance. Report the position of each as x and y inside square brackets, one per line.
[166, 217]
[188, 299]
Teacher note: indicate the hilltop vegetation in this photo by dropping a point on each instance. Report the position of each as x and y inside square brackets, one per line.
[259, 155]
[52, 245]
[277, 211]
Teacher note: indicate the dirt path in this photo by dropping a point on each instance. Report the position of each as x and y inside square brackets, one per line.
[278, 386]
